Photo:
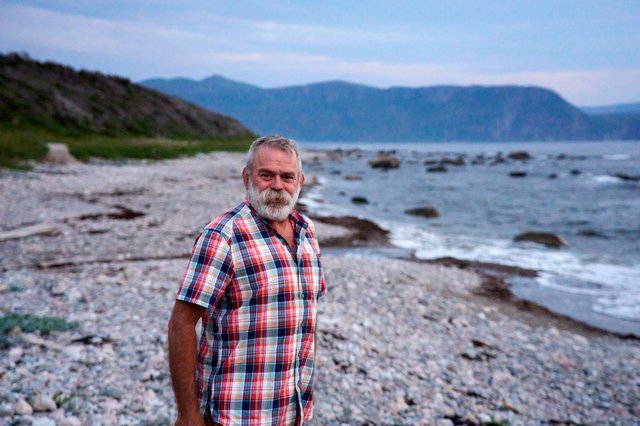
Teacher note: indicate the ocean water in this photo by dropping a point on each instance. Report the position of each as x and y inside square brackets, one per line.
[583, 192]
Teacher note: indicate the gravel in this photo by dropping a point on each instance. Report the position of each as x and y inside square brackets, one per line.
[399, 342]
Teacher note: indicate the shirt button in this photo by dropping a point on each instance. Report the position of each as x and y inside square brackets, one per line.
[304, 296]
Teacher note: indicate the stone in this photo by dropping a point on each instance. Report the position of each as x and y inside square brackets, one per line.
[23, 408]
[59, 154]
[437, 169]
[6, 410]
[544, 238]
[359, 200]
[484, 418]
[44, 402]
[70, 421]
[519, 156]
[384, 161]
[43, 421]
[426, 211]
[518, 174]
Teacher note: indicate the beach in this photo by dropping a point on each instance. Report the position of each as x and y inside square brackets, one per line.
[105, 244]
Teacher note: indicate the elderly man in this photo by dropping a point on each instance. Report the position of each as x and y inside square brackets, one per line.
[254, 277]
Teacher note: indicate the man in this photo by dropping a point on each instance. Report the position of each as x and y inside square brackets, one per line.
[254, 278]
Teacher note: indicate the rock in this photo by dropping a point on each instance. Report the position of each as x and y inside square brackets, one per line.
[43, 421]
[547, 239]
[6, 410]
[359, 200]
[459, 161]
[518, 174]
[352, 177]
[69, 421]
[23, 408]
[484, 418]
[16, 353]
[113, 393]
[425, 211]
[552, 176]
[437, 169]
[44, 402]
[384, 161]
[519, 156]
[576, 172]
[59, 154]
[626, 177]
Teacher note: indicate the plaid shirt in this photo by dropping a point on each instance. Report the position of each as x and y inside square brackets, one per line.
[256, 356]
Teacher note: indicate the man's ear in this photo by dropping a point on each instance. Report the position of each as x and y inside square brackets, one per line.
[245, 178]
[301, 179]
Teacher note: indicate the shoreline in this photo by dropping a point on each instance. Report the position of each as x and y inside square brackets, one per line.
[495, 287]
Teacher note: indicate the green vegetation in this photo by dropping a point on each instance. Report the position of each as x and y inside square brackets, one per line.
[30, 324]
[18, 146]
[151, 148]
[102, 116]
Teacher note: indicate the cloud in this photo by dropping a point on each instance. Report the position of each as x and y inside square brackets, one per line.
[271, 53]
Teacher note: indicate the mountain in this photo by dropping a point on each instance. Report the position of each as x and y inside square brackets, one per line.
[57, 98]
[613, 109]
[342, 111]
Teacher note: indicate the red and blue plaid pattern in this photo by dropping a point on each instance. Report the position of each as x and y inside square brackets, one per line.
[256, 356]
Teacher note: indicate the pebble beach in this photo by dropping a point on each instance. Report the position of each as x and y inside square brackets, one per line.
[104, 246]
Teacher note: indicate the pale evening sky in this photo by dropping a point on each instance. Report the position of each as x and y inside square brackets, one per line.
[586, 50]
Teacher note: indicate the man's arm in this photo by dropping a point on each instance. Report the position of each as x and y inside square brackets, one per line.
[182, 361]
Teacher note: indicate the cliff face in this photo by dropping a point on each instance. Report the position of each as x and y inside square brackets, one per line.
[341, 111]
[58, 98]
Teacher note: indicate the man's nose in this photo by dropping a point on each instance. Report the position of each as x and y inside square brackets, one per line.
[276, 184]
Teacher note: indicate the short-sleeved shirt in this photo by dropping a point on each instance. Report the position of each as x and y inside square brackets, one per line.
[256, 355]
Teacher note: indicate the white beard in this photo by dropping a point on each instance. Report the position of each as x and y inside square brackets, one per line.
[271, 204]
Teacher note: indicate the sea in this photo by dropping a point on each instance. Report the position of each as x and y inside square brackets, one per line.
[587, 193]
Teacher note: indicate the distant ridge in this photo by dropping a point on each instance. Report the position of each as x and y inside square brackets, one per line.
[613, 109]
[57, 98]
[342, 111]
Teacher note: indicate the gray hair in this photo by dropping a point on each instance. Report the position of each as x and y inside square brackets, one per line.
[274, 141]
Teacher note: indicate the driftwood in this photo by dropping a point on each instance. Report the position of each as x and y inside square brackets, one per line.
[28, 231]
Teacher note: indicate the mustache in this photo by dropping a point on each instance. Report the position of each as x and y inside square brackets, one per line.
[271, 196]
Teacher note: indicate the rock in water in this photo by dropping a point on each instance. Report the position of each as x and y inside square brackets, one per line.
[547, 239]
[426, 211]
[59, 154]
[359, 200]
[385, 161]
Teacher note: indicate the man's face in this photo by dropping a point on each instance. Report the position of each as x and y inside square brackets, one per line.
[274, 183]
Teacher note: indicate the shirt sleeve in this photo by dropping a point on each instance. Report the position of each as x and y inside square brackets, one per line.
[209, 271]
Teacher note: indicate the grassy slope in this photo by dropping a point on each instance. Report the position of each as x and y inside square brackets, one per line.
[100, 116]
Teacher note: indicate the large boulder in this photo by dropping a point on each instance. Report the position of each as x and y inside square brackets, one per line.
[384, 161]
[545, 238]
[519, 156]
[428, 212]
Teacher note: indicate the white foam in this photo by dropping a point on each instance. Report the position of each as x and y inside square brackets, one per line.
[616, 157]
[606, 179]
[614, 286]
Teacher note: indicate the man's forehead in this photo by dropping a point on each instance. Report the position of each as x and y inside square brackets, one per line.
[267, 154]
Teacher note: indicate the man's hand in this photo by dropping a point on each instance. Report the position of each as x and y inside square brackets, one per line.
[182, 361]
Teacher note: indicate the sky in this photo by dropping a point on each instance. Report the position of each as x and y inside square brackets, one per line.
[586, 50]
